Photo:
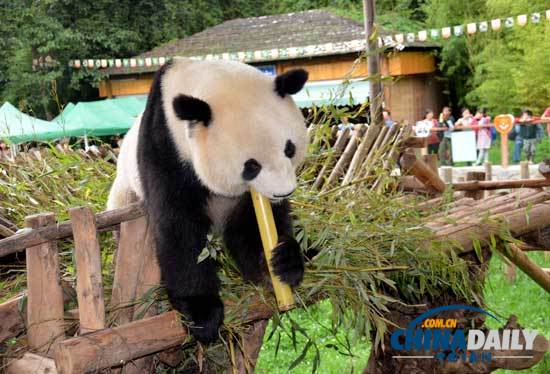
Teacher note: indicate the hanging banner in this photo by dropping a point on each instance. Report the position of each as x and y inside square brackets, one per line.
[397, 41]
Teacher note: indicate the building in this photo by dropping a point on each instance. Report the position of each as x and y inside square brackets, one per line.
[324, 44]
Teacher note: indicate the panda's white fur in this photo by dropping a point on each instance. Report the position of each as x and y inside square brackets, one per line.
[185, 157]
[249, 121]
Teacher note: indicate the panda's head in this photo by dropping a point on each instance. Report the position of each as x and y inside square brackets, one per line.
[237, 126]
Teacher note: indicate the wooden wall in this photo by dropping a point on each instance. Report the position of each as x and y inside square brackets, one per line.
[408, 97]
[129, 85]
[413, 90]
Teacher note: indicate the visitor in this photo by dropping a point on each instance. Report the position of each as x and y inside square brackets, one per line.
[545, 118]
[528, 132]
[387, 118]
[425, 128]
[446, 122]
[483, 136]
[465, 121]
[515, 135]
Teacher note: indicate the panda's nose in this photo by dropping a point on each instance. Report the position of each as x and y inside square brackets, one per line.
[285, 195]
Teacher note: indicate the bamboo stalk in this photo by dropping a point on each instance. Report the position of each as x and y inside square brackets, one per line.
[51, 232]
[268, 233]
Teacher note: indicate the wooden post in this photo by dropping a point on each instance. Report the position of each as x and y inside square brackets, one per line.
[447, 174]
[488, 174]
[45, 295]
[89, 284]
[535, 272]
[248, 348]
[412, 165]
[475, 176]
[524, 169]
[373, 62]
[432, 161]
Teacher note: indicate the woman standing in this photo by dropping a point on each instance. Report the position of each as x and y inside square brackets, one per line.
[483, 136]
[427, 128]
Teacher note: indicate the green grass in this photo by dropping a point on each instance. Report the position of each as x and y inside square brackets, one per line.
[524, 298]
[542, 152]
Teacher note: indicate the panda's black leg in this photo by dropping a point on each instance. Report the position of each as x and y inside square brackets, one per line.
[242, 237]
[192, 287]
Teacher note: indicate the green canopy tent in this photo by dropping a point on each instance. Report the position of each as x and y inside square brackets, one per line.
[66, 110]
[103, 117]
[17, 127]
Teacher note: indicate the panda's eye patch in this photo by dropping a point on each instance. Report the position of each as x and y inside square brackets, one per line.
[290, 149]
[251, 169]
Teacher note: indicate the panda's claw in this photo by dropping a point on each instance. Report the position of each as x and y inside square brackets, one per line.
[287, 261]
[204, 315]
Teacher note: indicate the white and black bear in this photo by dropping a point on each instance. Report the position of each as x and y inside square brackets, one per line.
[210, 131]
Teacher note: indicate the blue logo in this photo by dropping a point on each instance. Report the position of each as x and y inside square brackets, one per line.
[430, 337]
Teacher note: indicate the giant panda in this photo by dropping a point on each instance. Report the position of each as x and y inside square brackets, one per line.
[209, 132]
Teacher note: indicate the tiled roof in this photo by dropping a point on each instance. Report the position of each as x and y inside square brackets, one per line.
[267, 32]
[262, 39]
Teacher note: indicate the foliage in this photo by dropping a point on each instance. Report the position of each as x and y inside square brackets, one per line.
[502, 71]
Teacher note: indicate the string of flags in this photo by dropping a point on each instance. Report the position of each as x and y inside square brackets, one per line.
[397, 41]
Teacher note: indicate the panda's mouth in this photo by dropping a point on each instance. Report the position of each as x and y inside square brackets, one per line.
[282, 196]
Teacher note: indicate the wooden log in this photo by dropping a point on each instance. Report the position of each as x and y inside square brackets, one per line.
[374, 133]
[34, 237]
[12, 317]
[5, 231]
[520, 221]
[423, 172]
[475, 176]
[524, 169]
[501, 184]
[432, 161]
[544, 168]
[535, 272]
[7, 223]
[415, 142]
[343, 161]
[31, 363]
[119, 345]
[89, 283]
[341, 142]
[447, 174]
[248, 348]
[44, 293]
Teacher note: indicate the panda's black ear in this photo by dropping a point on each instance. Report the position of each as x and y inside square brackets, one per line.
[189, 108]
[290, 82]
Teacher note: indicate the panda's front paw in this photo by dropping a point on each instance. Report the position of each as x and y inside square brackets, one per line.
[205, 315]
[287, 261]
